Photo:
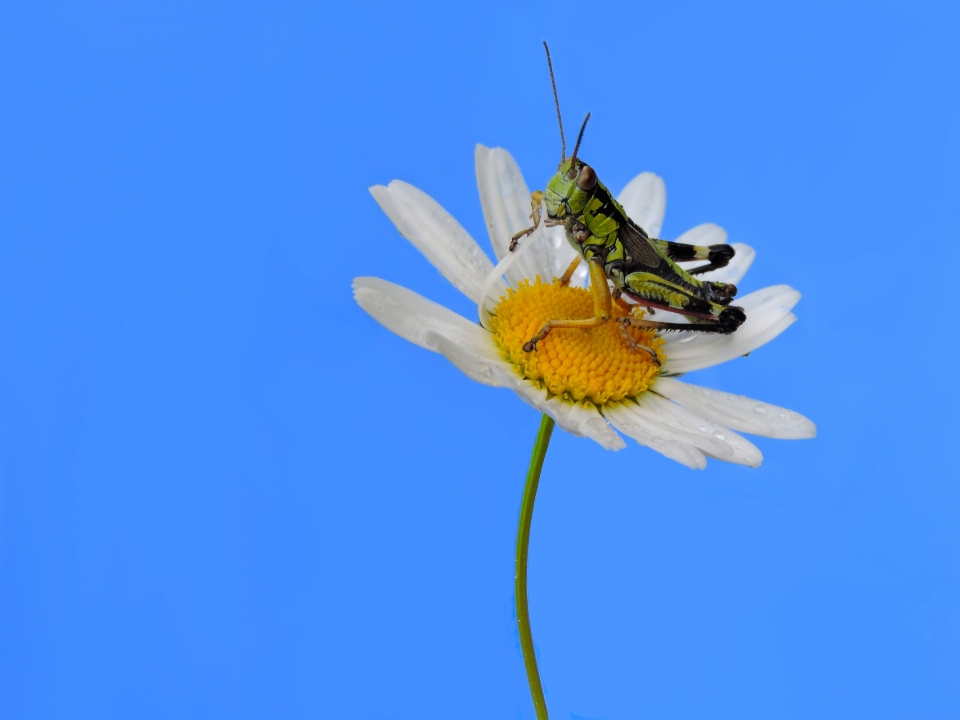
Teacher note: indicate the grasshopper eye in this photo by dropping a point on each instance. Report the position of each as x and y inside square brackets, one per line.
[587, 179]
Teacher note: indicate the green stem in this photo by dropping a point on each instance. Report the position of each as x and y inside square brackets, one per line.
[523, 542]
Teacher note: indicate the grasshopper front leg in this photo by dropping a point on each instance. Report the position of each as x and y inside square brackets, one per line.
[536, 198]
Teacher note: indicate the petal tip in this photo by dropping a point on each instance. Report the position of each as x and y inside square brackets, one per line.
[620, 445]
[361, 284]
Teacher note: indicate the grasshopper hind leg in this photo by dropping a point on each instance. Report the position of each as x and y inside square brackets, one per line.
[717, 256]
[730, 318]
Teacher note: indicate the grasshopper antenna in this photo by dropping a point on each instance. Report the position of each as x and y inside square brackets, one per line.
[580, 136]
[556, 101]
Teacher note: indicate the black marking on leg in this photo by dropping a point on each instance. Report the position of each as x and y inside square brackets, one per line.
[720, 256]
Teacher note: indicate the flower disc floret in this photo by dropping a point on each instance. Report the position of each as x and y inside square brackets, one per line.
[594, 365]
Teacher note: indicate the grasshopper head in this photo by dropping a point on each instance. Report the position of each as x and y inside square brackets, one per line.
[568, 191]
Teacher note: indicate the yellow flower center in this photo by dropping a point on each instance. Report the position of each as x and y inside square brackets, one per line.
[595, 365]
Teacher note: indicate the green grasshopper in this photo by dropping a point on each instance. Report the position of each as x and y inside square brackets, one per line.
[617, 250]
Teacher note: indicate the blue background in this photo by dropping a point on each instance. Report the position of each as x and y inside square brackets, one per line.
[226, 492]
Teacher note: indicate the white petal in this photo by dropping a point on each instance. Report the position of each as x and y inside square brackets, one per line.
[574, 418]
[735, 269]
[480, 363]
[770, 297]
[678, 423]
[706, 234]
[560, 256]
[506, 209]
[470, 348]
[736, 411]
[645, 200]
[493, 287]
[647, 434]
[768, 315]
[506, 204]
[413, 317]
[435, 233]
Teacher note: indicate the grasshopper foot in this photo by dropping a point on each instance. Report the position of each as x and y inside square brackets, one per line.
[731, 318]
[722, 293]
[532, 344]
[633, 344]
[515, 240]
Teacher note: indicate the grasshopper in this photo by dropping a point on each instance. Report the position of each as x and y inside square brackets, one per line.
[619, 252]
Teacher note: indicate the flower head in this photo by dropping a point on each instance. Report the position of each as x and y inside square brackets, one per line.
[589, 381]
[595, 366]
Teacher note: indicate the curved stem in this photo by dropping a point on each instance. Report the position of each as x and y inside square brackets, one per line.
[523, 541]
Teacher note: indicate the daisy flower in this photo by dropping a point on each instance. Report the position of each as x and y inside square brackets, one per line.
[591, 382]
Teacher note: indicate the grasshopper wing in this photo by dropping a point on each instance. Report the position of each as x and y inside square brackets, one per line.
[638, 246]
